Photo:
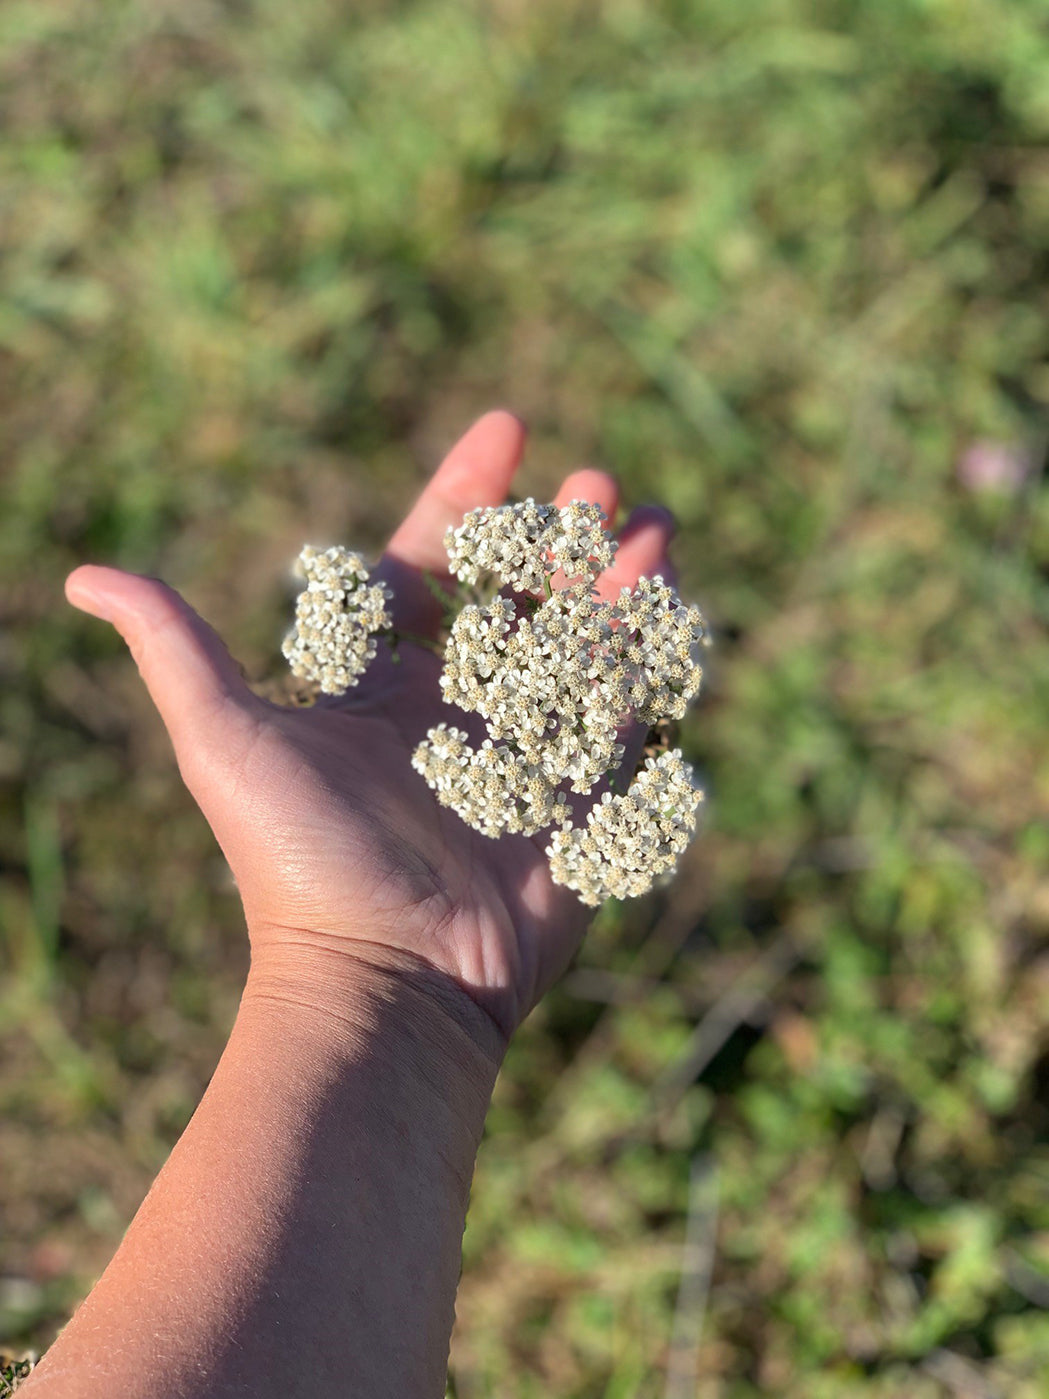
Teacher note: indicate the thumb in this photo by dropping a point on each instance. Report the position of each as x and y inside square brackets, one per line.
[193, 680]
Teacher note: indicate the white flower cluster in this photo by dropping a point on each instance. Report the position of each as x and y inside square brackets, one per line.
[541, 682]
[336, 618]
[629, 840]
[493, 789]
[555, 680]
[522, 545]
[555, 674]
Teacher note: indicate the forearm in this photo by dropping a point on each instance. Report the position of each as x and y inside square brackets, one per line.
[305, 1234]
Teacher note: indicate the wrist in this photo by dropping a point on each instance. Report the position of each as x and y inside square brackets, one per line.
[344, 1001]
[314, 1205]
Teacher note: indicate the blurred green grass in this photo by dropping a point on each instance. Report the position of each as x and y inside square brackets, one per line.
[781, 265]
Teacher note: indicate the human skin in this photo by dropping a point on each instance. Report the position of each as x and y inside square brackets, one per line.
[304, 1237]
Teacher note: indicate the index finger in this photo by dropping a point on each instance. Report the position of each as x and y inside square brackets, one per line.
[476, 472]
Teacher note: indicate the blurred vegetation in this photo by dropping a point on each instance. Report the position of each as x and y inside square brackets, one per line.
[12, 1373]
[782, 265]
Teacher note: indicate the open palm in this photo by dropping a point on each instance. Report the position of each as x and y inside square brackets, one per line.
[334, 840]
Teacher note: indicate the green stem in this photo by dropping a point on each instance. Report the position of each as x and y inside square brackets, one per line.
[450, 601]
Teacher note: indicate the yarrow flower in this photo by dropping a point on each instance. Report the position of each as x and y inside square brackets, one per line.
[493, 789]
[632, 840]
[554, 674]
[539, 683]
[523, 545]
[336, 618]
[658, 642]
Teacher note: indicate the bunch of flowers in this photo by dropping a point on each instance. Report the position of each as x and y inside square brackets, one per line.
[337, 619]
[558, 676]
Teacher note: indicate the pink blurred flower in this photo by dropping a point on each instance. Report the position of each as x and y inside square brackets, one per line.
[1000, 467]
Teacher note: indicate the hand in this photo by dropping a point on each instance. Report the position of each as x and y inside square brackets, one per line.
[336, 843]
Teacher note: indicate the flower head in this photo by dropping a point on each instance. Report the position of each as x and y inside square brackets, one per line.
[522, 545]
[630, 841]
[659, 640]
[336, 618]
[533, 683]
[493, 789]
